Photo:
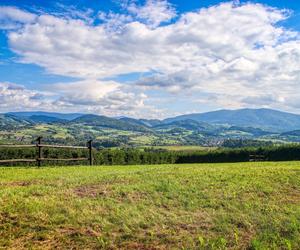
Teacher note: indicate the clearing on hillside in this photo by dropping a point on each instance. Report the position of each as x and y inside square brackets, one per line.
[199, 206]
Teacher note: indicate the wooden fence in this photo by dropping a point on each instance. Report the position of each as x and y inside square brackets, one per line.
[257, 157]
[39, 155]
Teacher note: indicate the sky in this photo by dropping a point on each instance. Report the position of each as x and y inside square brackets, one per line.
[150, 58]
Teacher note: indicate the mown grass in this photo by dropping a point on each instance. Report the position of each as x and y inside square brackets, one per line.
[199, 206]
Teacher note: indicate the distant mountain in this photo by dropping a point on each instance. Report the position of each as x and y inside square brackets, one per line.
[103, 121]
[266, 119]
[248, 122]
[10, 122]
[45, 119]
[250, 130]
[291, 133]
[188, 124]
[151, 122]
[143, 122]
[132, 121]
[238, 127]
[62, 116]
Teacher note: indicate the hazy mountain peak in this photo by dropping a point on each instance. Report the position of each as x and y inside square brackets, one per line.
[268, 119]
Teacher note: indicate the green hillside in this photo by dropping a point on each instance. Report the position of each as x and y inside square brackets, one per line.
[267, 119]
[103, 121]
[213, 129]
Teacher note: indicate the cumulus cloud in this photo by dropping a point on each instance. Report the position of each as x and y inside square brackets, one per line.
[237, 53]
[223, 37]
[106, 98]
[71, 12]
[11, 17]
[154, 12]
[17, 97]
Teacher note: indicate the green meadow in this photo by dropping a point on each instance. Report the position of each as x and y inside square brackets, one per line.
[195, 206]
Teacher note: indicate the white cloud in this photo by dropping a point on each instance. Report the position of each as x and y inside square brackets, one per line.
[106, 98]
[235, 53]
[71, 12]
[11, 17]
[17, 97]
[198, 40]
[154, 12]
[85, 92]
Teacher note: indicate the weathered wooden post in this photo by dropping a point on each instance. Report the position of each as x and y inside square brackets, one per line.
[40, 154]
[90, 146]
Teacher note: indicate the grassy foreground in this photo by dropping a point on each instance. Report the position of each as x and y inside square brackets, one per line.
[199, 206]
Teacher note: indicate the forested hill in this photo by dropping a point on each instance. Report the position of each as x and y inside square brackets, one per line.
[267, 119]
[208, 129]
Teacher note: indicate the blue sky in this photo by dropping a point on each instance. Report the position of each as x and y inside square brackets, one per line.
[153, 58]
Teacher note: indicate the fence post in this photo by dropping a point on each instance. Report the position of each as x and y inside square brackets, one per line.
[90, 146]
[39, 142]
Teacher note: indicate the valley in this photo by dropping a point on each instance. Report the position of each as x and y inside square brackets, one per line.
[214, 129]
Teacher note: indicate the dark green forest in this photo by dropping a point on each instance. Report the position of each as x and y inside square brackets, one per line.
[131, 156]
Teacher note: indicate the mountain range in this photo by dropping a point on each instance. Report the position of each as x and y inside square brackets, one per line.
[266, 119]
[262, 124]
[46, 115]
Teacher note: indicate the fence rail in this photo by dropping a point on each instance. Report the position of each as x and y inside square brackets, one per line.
[17, 160]
[18, 146]
[39, 156]
[60, 146]
[64, 159]
[257, 157]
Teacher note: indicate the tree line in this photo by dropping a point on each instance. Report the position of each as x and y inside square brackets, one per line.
[132, 156]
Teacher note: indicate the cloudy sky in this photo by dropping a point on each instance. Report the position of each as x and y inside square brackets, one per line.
[152, 58]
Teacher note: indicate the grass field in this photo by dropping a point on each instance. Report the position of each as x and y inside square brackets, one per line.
[200, 206]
